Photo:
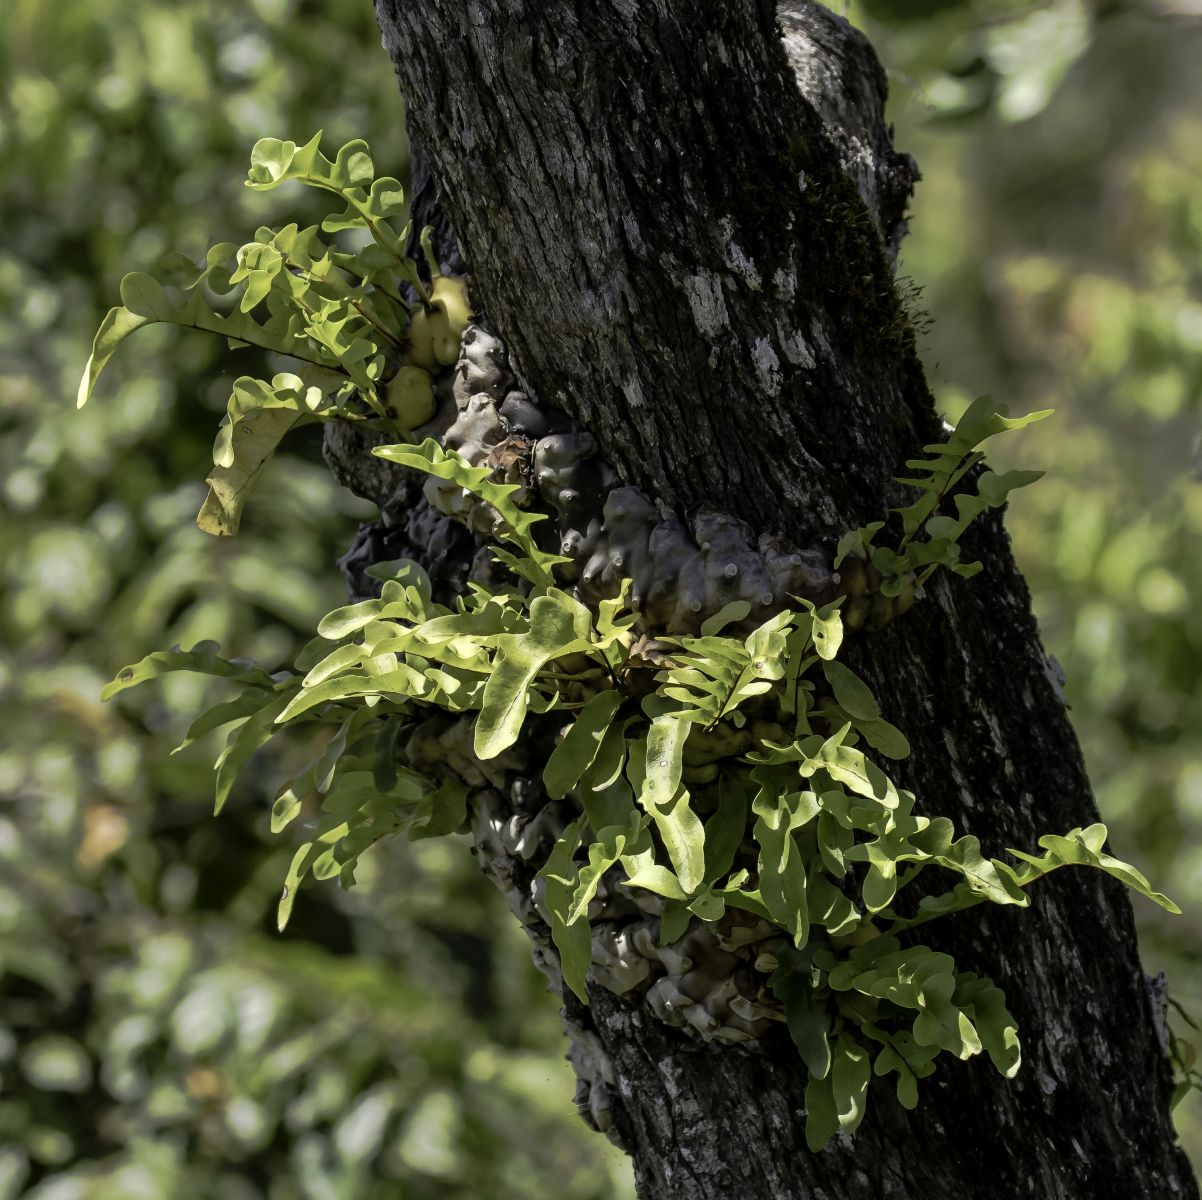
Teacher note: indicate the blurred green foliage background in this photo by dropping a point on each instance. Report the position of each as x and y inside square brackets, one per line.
[157, 1037]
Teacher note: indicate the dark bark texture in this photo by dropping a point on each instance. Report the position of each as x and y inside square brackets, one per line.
[681, 217]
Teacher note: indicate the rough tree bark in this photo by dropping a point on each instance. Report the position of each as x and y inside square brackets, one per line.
[683, 224]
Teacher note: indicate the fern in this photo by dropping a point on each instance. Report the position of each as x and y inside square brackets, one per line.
[341, 316]
[745, 776]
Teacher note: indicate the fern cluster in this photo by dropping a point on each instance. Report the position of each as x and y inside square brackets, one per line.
[714, 771]
[720, 771]
[363, 326]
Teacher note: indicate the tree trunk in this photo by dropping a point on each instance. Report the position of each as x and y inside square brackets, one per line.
[682, 226]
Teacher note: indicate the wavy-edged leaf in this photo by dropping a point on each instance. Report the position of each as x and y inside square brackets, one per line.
[822, 1116]
[806, 1016]
[255, 732]
[643, 871]
[252, 444]
[611, 805]
[384, 752]
[288, 804]
[298, 868]
[356, 815]
[327, 761]
[924, 981]
[117, 325]
[984, 418]
[610, 761]
[826, 628]
[409, 574]
[714, 676]
[829, 908]
[781, 867]
[678, 824]
[941, 1023]
[986, 1005]
[664, 758]
[440, 811]
[250, 701]
[884, 738]
[851, 1068]
[386, 198]
[396, 602]
[603, 853]
[577, 751]
[848, 766]
[996, 489]
[673, 922]
[341, 659]
[185, 273]
[852, 694]
[251, 397]
[834, 841]
[273, 161]
[202, 659]
[857, 539]
[684, 838]
[889, 1059]
[610, 623]
[143, 296]
[400, 683]
[1083, 847]
[726, 830]
[990, 878]
[516, 525]
[573, 941]
[766, 646]
[728, 614]
[707, 904]
[559, 626]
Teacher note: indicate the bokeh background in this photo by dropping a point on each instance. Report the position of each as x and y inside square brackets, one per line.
[157, 1037]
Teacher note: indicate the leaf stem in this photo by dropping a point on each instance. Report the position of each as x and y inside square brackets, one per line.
[407, 265]
[387, 334]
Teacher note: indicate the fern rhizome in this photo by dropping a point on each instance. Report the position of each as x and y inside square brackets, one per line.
[720, 774]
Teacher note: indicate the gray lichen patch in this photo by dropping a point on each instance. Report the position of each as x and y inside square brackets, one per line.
[703, 290]
[795, 348]
[633, 391]
[767, 365]
[737, 258]
[785, 282]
